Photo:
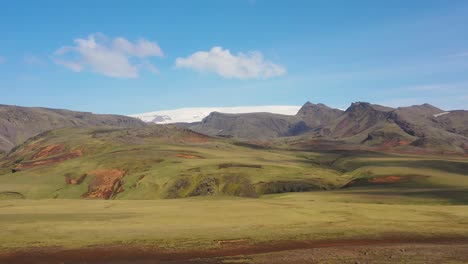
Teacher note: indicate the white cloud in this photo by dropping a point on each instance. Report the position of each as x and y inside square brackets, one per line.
[143, 48]
[227, 65]
[114, 58]
[2, 60]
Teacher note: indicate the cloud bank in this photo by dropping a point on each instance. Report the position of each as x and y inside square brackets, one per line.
[116, 57]
[222, 62]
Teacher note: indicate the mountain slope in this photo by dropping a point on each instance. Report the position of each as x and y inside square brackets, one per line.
[434, 128]
[17, 123]
[249, 126]
[266, 125]
[454, 121]
[358, 118]
[318, 115]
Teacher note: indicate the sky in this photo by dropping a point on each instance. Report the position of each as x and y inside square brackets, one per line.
[127, 57]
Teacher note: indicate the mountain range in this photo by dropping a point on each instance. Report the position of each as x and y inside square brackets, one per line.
[362, 124]
[423, 126]
[50, 153]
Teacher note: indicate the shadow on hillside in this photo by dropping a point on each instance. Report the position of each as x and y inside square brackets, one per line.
[441, 165]
[451, 196]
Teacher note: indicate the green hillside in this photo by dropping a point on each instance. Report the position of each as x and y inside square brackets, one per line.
[152, 163]
[170, 162]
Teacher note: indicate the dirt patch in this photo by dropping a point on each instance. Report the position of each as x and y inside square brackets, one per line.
[395, 253]
[106, 184]
[140, 254]
[387, 179]
[49, 151]
[75, 180]
[239, 165]
[233, 242]
[188, 156]
[57, 159]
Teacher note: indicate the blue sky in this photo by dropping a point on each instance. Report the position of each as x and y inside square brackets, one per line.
[136, 56]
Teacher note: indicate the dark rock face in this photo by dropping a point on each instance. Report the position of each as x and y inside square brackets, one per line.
[267, 125]
[316, 115]
[247, 126]
[178, 187]
[208, 186]
[358, 118]
[287, 186]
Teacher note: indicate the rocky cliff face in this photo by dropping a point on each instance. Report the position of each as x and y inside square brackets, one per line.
[318, 115]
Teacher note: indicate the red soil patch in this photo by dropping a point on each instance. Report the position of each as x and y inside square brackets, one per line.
[382, 180]
[57, 159]
[75, 181]
[49, 151]
[387, 179]
[107, 183]
[188, 156]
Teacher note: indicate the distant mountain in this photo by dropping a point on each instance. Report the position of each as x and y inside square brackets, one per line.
[191, 115]
[266, 125]
[249, 126]
[362, 124]
[454, 121]
[423, 126]
[17, 123]
[358, 118]
[318, 115]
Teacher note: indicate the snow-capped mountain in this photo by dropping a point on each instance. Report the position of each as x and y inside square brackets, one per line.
[189, 115]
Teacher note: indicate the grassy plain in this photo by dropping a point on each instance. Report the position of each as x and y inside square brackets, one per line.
[206, 222]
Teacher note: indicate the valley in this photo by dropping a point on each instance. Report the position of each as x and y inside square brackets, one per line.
[234, 132]
[170, 194]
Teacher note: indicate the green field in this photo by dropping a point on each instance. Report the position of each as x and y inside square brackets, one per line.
[179, 224]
